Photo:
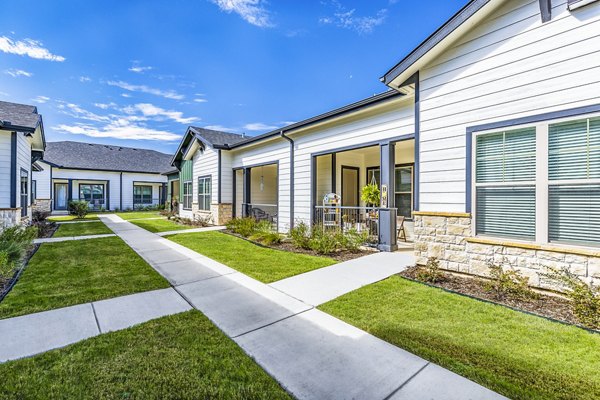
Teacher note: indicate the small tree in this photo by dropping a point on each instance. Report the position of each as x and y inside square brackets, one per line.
[79, 208]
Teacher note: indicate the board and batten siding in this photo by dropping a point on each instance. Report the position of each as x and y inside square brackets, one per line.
[379, 122]
[42, 181]
[5, 162]
[23, 162]
[509, 66]
[206, 163]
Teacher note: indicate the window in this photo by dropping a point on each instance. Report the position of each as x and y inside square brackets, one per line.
[404, 187]
[204, 193]
[24, 192]
[574, 182]
[505, 184]
[187, 195]
[93, 194]
[142, 194]
[33, 191]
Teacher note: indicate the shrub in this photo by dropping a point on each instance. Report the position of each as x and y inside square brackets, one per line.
[264, 233]
[323, 241]
[431, 272]
[508, 283]
[39, 219]
[584, 298]
[6, 266]
[15, 241]
[79, 208]
[352, 239]
[371, 195]
[300, 236]
[242, 226]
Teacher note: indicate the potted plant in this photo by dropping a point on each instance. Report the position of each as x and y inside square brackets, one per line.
[371, 195]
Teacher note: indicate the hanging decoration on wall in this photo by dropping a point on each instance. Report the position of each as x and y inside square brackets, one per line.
[262, 179]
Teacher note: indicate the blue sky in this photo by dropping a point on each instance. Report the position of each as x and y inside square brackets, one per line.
[137, 73]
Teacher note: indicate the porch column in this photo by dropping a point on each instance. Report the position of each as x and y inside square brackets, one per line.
[387, 212]
[247, 191]
[70, 192]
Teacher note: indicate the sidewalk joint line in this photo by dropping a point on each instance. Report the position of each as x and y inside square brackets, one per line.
[96, 318]
[272, 323]
[406, 382]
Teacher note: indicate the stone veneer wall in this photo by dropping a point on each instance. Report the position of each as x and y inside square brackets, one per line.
[9, 217]
[449, 238]
[42, 205]
[220, 213]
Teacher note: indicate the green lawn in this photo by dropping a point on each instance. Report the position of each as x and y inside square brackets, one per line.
[160, 225]
[82, 229]
[59, 218]
[518, 355]
[68, 273]
[266, 265]
[128, 215]
[178, 357]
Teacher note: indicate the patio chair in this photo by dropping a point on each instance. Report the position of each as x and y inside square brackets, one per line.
[401, 233]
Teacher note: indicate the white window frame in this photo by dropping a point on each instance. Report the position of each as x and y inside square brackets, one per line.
[205, 195]
[542, 183]
[186, 195]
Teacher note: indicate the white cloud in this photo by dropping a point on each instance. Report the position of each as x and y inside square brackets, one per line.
[168, 94]
[17, 72]
[28, 47]
[150, 110]
[347, 19]
[41, 99]
[251, 11]
[119, 129]
[139, 69]
[85, 79]
[126, 95]
[221, 128]
[259, 126]
[200, 100]
[105, 106]
[76, 111]
[4, 94]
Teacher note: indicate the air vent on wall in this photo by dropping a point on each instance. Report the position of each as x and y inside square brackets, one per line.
[575, 4]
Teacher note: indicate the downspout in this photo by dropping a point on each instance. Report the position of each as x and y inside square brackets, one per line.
[121, 192]
[291, 178]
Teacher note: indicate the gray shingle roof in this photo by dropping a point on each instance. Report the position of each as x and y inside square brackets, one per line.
[105, 157]
[218, 138]
[21, 115]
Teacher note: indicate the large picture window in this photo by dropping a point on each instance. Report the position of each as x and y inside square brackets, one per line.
[505, 183]
[204, 193]
[93, 194]
[540, 183]
[187, 195]
[142, 194]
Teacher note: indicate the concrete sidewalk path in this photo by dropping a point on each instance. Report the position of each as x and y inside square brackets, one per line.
[312, 354]
[70, 238]
[192, 230]
[325, 284]
[40, 332]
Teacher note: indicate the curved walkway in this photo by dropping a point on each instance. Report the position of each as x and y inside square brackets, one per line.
[312, 354]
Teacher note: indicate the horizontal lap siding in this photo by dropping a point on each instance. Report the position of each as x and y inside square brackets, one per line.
[42, 181]
[128, 180]
[226, 177]
[206, 163]
[509, 66]
[23, 162]
[5, 161]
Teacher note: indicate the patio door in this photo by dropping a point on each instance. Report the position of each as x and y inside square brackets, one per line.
[350, 183]
[60, 196]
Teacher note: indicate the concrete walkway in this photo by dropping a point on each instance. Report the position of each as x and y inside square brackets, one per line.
[310, 353]
[192, 230]
[37, 333]
[69, 238]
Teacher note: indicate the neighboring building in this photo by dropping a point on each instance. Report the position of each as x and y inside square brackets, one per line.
[22, 143]
[489, 139]
[107, 177]
[508, 137]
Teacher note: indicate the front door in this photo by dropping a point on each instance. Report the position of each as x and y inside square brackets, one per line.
[350, 186]
[60, 196]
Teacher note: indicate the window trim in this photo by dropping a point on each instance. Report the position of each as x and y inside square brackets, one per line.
[542, 181]
[142, 195]
[190, 195]
[412, 187]
[209, 194]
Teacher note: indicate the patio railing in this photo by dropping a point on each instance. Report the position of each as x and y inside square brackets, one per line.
[262, 212]
[146, 203]
[362, 219]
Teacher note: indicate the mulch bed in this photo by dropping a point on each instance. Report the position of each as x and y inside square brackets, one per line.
[287, 246]
[548, 306]
[7, 283]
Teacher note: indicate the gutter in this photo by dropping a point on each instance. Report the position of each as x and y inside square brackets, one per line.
[291, 177]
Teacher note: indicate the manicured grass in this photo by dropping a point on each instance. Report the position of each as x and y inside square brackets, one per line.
[160, 225]
[72, 217]
[82, 229]
[68, 273]
[518, 355]
[178, 357]
[266, 265]
[127, 215]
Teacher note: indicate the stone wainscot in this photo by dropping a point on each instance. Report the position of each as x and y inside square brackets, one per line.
[219, 214]
[449, 238]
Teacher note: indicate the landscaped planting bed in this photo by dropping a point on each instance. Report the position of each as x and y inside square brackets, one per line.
[178, 357]
[82, 229]
[264, 264]
[519, 355]
[74, 272]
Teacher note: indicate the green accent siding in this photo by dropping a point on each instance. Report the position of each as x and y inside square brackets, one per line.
[186, 174]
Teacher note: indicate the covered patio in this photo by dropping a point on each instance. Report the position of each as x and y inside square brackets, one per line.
[340, 176]
[256, 192]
